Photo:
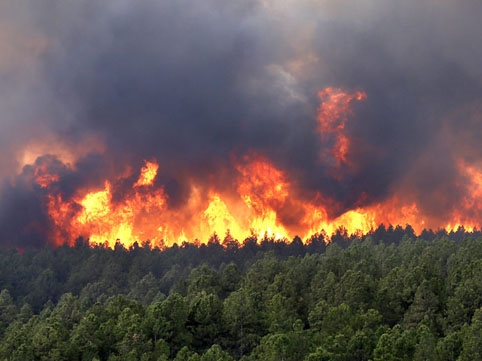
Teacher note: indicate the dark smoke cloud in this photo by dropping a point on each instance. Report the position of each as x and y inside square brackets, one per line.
[196, 83]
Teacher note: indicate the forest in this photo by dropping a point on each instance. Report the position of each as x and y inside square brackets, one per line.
[389, 295]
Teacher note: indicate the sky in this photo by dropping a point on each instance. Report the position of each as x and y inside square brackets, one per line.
[87, 87]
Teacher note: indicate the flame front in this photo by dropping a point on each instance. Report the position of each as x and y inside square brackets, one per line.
[143, 214]
[263, 192]
[263, 199]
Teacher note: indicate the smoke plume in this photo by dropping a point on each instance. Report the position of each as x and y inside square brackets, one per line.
[91, 90]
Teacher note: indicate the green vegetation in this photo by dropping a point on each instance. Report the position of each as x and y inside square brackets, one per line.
[385, 296]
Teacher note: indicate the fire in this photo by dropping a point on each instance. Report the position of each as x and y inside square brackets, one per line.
[95, 205]
[129, 220]
[333, 114]
[263, 193]
[218, 217]
[148, 174]
[469, 213]
[264, 189]
[96, 216]
[362, 219]
[43, 177]
[263, 200]
[143, 213]
[261, 183]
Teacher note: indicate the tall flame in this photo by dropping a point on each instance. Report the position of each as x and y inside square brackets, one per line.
[264, 199]
[333, 114]
[263, 193]
[148, 174]
[143, 214]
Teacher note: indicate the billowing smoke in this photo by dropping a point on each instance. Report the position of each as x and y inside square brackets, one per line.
[88, 87]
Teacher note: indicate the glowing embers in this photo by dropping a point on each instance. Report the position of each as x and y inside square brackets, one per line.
[333, 113]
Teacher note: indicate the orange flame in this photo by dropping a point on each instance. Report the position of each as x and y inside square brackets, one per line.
[43, 177]
[333, 114]
[469, 213]
[143, 214]
[263, 192]
[263, 200]
[148, 174]
[264, 189]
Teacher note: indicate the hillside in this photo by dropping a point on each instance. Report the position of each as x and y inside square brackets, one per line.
[386, 296]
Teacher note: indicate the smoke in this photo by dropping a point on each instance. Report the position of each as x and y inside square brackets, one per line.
[197, 84]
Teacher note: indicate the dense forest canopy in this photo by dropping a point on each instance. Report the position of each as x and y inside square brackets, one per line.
[388, 295]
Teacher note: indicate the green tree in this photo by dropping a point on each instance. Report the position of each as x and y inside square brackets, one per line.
[205, 319]
[8, 310]
[395, 345]
[203, 279]
[449, 347]
[241, 323]
[472, 339]
[215, 353]
[426, 344]
[230, 279]
[467, 296]
[356, 289]
[146, 290]
[184, 354]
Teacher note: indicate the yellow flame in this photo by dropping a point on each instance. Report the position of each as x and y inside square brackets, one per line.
[148, 174]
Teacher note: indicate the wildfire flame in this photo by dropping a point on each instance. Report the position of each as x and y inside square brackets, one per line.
[148, 174]
[263, 201]
[333, 114]
[143, 213]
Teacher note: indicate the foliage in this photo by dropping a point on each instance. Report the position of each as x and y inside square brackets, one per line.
[388, 296]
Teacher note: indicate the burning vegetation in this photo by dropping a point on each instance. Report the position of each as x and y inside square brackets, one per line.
[259, 199]
[139, 120]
